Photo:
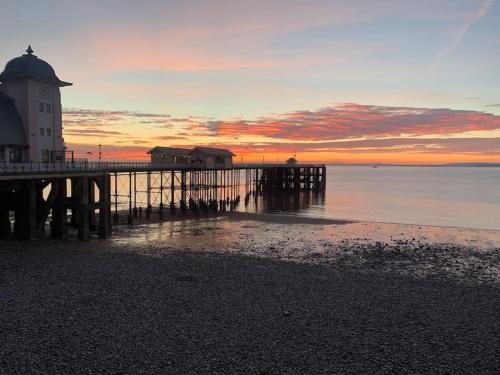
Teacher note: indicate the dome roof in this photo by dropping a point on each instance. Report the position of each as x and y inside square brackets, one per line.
[30, 66]
[11, 125]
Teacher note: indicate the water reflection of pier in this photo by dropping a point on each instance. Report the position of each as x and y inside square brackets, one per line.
[94, 196]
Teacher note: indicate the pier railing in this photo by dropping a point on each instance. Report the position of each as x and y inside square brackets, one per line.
[82, 165]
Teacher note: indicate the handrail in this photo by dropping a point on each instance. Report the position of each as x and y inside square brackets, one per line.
[82, 165]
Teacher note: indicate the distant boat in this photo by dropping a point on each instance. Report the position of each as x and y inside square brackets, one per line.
[374, 166]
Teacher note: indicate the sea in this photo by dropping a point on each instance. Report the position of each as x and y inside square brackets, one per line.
[466, 197]
[462, 197]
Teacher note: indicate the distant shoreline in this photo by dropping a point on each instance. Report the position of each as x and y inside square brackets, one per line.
[454, 165]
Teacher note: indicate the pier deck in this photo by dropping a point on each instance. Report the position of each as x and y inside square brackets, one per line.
[98, 193]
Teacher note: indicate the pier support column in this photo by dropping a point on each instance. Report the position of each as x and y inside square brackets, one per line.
[104, 230]
[323, 177]
[4, 223]
[183, 186]
[116, 216]
[148, 195]
[58, 228]
[172, 192]
[25, 225]
[130, 217]
[83, 209]
[74, 194]
[160, 208]
[92, 215]
[134, 210]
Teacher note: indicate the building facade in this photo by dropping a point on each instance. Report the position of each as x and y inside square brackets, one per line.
[31, 87]
[200, 157]
[173, 156]
[211, 157]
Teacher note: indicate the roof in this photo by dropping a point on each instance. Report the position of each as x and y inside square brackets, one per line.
[213, 151]
[11, 125]
[30, 66]
[172, 151]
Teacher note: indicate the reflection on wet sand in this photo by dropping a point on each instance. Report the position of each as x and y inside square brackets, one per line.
[231, 226]
[290, 203]
[421, 251]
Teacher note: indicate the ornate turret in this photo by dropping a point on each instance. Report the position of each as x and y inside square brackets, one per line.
[30, 66]
[34, 88]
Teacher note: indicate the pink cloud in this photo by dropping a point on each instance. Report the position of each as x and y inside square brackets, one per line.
[351, 120]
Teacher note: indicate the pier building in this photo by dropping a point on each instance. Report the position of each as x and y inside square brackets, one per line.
[30, 111]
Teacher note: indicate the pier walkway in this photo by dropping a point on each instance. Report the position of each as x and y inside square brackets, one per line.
[97, 194]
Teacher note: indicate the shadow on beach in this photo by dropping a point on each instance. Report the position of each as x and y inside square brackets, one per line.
[90, 308]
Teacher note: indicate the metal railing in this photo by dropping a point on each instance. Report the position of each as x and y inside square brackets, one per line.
[83, 165]
[57, 167]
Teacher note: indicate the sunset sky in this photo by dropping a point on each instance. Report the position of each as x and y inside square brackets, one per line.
[341, 81]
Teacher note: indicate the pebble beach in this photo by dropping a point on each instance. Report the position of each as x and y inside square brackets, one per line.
[254, 294]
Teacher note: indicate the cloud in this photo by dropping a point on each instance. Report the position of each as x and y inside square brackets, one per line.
[346, 128]
[349, 120]
[92, 132]
[82, 117]
[458, 37]
[391, 145]
[171, 137]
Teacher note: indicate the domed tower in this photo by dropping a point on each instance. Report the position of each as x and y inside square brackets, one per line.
[34, 87]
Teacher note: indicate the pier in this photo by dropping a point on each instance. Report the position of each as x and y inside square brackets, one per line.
[92, 196]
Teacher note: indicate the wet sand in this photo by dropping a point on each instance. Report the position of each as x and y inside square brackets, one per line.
[254, 296]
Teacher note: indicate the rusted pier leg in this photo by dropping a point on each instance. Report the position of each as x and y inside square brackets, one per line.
[58, 228]
[104, 183]
[83, 209]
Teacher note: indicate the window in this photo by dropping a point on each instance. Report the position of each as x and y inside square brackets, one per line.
[49, 132]
[41, 107]
[47, 108]
[16, 155]
[45, 156]
[42, 131]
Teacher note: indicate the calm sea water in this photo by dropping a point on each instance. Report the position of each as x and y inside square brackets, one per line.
[441, 196]
[444, 196]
